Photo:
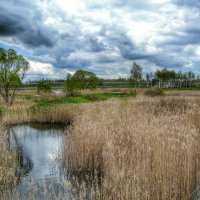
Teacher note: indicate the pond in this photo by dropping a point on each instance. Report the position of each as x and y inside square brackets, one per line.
[39, 147]
[39, 150]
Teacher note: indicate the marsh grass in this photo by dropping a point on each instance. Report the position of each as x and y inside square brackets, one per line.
[7, 162]
[146, 148]
[83, 98]
[21, 114]
[131, 148]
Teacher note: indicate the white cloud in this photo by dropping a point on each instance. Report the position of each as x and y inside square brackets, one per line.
[106, 36]
[41, 68]
[198, 51]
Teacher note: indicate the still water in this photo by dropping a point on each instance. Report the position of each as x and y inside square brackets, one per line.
[39, 149]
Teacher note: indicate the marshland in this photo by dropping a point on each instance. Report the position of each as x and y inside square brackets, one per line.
[99, 100]
[127, 147]
[82, 140]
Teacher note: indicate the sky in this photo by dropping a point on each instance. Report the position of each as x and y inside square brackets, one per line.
[102, 36]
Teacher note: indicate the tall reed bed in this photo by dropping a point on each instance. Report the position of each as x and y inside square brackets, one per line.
[147, 148]
[7, 162]
[40, 114]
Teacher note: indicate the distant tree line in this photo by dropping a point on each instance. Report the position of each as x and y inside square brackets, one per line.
[13, 68]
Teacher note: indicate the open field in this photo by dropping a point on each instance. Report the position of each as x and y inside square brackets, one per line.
[131, 147]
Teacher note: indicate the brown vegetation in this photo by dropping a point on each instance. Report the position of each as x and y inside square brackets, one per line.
[147, 148]
[143, 148]
[26, 111]
[7, 162]
[39, 114]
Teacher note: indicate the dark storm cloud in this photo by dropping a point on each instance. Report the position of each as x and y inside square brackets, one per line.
[169, 61]
[16, 21]
[94, 45]
[128, 49]
[77, 64]
[189, 36]
[9, 25]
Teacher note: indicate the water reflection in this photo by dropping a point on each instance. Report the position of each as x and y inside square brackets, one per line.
[38, 147]
[40, 167]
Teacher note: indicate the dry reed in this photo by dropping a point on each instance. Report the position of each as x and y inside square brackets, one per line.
[44, 114]
[143, 148]
[7, 162]
[147, 148]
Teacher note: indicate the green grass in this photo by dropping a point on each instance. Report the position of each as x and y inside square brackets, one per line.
[82, 98]
[2, 110]
[26, 96]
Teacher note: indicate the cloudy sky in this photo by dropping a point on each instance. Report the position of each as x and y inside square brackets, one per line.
[103, 36]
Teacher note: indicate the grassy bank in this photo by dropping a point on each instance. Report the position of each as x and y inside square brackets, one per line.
[51, 109]
[84, 98]
[146, 148]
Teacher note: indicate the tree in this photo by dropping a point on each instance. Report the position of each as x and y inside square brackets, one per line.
[179, 76]
[81, 79]
[13, 68]
[44, 87]
[85, 79]
[147, 77]
[136, 72]
[151, 76]
[166, 74]
[191, 75]
[70, 85]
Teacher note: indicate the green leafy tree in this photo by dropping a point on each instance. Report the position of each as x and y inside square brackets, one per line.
[147, 77]
[165, 74]
[179, 76]
[70, 85]
[85, 79]
[151, 76]
[191, 75]
[81, 79]
[43, 86]
[13, 68]
[136, 72]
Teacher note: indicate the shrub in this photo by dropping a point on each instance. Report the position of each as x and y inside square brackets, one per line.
[154, 92]
[81, 79]
[1, 111]
[44, 87]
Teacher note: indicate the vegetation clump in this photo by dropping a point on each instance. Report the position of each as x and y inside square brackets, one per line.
[81, 79]
[43, 86]
[1, 111]
[154, 92]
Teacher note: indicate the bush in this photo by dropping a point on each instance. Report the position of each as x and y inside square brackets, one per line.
[81, 79]
[154, 92]
[95, 97]
[1, 111]
[44, 87]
